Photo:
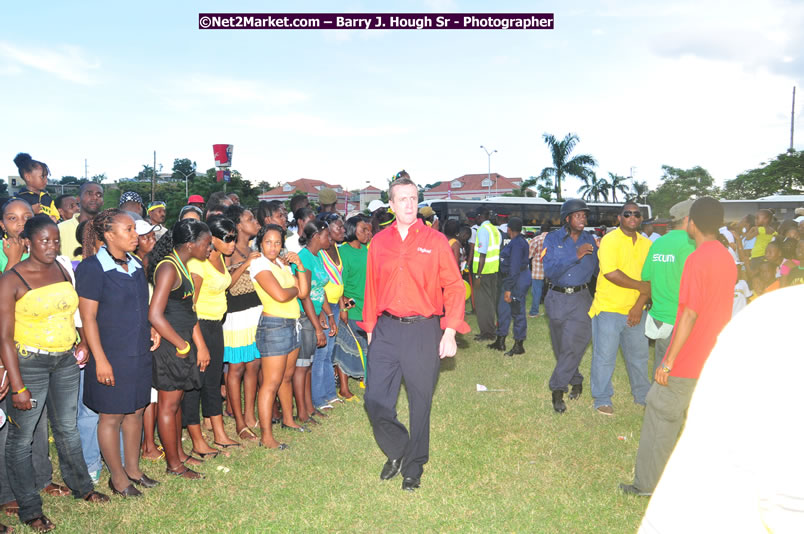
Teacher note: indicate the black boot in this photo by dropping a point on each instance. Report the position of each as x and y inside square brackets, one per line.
[558, 402]
[499, 343]
[576, 391]
[517, 348]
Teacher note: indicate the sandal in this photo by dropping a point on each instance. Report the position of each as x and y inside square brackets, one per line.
[227, 445]
[250, 435]
[57, 490]
[206, 455]
[187, 473]
[354, 398]
[193, 460]
[94, 496]
[40, 524]
[319, 413]
[11, 508]
[161, 455]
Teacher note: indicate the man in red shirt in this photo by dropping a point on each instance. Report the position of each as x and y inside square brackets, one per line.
[704, 308]
[411, 280]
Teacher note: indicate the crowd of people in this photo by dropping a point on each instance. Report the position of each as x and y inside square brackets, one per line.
[117, 329]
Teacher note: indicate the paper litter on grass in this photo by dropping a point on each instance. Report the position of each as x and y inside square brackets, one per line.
[481, 387]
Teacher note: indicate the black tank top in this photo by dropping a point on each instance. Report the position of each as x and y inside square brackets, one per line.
[179, 310]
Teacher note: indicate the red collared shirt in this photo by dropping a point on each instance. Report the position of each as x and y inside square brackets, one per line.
[417, 276]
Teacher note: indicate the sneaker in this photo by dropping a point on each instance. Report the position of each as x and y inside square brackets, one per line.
[533, 315]
[630, 489]
[605, 410]
[95, 476]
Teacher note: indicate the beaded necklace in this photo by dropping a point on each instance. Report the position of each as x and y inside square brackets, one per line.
[184, 270]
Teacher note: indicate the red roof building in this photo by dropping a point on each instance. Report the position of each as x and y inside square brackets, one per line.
[310, 187]
[473, 187]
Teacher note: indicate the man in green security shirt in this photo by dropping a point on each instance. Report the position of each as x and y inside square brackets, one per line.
[663, 268]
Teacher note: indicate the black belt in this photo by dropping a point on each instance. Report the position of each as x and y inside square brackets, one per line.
[405, 320]
[568, 290]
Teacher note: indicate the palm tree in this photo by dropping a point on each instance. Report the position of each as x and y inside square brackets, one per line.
[640, 191]
[579, 166]
[593, 188]
[617, 183]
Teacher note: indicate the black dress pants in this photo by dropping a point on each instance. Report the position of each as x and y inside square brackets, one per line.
[398, 351]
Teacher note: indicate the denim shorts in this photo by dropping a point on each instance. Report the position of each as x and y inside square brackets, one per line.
[308, 343]
[277, 336]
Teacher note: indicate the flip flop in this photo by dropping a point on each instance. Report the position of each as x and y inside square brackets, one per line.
[57, 490]
[206, 455]
[227, 445]
[185, 473]
[250, 435]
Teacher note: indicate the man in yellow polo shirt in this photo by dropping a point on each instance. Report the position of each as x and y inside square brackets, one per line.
[90, 200]
[618, 316]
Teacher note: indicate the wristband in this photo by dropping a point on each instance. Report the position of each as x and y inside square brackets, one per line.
[330, 315]
[666, 369]
[20, 391]
[301, 270]
[185, 350]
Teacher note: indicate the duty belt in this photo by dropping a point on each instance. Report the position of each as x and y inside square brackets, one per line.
[405, 320]
[568, 290]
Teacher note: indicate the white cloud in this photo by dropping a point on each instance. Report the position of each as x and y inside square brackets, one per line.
[313, 125]
[66, 62]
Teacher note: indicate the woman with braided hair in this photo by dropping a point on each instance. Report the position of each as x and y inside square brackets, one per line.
[113, 302]
[183, 354]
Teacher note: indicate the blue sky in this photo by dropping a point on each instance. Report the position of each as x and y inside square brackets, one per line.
[642, 83]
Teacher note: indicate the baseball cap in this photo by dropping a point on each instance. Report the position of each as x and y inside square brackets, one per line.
[426, 211]
[144, 227]
[130, 196]
[375, 204]
[327, 196]
[195, 198]
[681, 209]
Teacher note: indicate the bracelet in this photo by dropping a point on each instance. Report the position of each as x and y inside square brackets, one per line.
[301, 270]
[185, 350]
[330, 315]
[666, 369]
[20, 391]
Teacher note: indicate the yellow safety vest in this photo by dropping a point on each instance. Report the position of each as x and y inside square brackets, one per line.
[492, 263]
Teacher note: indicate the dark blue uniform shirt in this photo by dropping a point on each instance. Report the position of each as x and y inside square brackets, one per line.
[561, 264]
[513, 262]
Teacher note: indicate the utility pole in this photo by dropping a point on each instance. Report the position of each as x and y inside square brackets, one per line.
[792, 118]
[85, 168]
[153, 180]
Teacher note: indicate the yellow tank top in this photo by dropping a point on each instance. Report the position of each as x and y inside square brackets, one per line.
[333, 291]
[285, 310]
[45, 317]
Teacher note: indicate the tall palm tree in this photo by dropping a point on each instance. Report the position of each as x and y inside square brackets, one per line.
[617, 183]
[640, 191]
[563, 165]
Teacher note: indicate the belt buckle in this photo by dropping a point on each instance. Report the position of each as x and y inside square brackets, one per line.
[569, 290]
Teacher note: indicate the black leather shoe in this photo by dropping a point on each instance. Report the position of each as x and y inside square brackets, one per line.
[558, 402]
[517, 348]
[145, 481]
[390, 469]
[499, 343]
[410, 483]
[130, 491]
[576, 391]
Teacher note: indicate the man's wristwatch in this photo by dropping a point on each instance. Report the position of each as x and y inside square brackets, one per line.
[666, 369]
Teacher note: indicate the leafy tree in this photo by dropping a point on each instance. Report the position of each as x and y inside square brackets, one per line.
[594, 188]
[98, 178]
[617, 183]
[543, 184]
[3, 189]
[563, 165]
[183, 167]
[781, 176]
[680, 184]
[69, 180]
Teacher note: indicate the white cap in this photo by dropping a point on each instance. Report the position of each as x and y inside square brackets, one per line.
[376, 204]
[144, 227]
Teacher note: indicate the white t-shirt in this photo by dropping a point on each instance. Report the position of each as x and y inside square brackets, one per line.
[737, 466]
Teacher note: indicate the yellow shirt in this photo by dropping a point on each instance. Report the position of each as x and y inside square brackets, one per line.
[211, 303]
[67, 237]
[334, 291]
[284, 310]
[763, 238]
[619, 252]
[44, 317]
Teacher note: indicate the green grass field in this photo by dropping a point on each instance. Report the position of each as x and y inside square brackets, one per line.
[499, 462]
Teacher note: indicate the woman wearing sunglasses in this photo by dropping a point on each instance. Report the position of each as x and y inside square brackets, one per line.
[211, 280]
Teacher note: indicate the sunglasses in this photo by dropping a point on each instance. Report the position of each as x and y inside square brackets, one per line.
[637, 214]
[228, 238]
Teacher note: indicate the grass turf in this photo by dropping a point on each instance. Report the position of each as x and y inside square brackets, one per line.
[499, 461]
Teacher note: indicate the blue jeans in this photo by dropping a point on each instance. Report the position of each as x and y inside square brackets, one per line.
[609, 332]
[322, 375]
[52, 380]
[536, 293]
[88, 429]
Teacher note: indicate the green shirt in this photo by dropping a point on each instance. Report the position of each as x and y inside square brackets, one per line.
[354, 277]
[318, 279]
[663, 268]
[4, 258]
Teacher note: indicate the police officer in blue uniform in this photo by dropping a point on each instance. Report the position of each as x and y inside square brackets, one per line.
[570, 262]
[514, 263]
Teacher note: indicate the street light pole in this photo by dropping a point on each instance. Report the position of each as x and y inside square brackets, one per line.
[486, 150]
[186, 184]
